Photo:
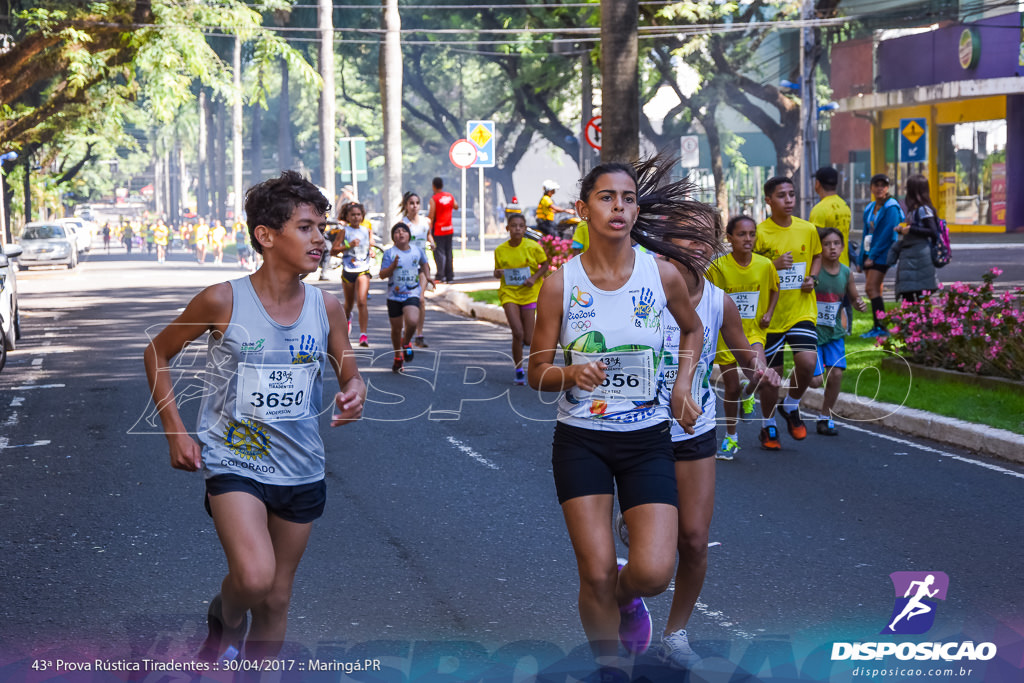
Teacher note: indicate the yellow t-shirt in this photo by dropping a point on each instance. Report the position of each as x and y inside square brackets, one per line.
[518, 263]
[832, 212]
[160, 234]
[750, 287]
[581, 236]
[217, 235]
[800, 238]
[545, 209]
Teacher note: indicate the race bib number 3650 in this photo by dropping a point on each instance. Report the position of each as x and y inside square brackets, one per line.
[268, 393]
[629, 375]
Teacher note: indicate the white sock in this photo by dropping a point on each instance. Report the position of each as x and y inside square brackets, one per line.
[768, 422]
[824, 417]
[790, 404]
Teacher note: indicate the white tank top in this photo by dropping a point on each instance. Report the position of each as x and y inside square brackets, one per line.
[259, 417]
[623, 330]
[709, 310]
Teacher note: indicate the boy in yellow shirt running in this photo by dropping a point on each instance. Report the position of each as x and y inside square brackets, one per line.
[793, 246]
[519, 265]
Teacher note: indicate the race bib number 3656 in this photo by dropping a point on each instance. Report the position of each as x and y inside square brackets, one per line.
[629, 375]
[268, 393]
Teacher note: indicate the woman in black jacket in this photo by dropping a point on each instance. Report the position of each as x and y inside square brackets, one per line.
[912, 252]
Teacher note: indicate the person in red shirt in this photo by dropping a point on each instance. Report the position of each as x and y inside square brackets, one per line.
[441, 206]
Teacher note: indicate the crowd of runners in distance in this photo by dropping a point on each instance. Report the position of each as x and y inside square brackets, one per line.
[659, 293]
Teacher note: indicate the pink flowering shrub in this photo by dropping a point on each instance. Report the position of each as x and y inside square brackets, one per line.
[963, 327]
[559, 251]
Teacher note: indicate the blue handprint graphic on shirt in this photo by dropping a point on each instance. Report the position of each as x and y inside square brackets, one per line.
[643, 310]
[308, 351]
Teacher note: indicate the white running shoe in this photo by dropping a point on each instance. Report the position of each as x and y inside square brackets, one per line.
[675, 650]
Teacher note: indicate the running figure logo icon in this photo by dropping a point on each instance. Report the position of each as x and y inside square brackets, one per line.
[913, 610]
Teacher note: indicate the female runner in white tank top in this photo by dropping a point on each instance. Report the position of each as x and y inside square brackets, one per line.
[604, 308]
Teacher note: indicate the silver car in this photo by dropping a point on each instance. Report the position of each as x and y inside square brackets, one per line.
[10, 324]
[48, 244]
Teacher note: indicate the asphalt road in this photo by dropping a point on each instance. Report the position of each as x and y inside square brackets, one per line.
[442, 551]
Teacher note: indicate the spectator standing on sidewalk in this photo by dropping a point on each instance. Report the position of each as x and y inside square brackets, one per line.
[440, 214]
[880, 220]
[912, 252]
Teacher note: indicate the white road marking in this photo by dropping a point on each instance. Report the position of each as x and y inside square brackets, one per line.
[5, 443]
[471, 453]
[929, 449]
[36, 362]
[38, 386]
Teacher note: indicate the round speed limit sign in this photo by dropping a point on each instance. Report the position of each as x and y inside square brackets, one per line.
[462, 153]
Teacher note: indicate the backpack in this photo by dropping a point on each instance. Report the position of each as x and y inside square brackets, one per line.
[942, 253]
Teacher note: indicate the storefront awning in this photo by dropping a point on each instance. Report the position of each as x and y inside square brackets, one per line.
[932, 94]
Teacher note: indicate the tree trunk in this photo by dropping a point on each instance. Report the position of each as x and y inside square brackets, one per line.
[325, 23]
[710, 126]
[27, 186]
[236, 134]
[284, 128]
[202, 200]
[391, 105]
[256, 150]
[211, 157]
[219, 210]
[620, 96]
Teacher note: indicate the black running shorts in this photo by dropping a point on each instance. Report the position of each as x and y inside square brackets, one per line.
[589, 462]
[696, 447]
[300, 504]
[801, 337]
[395, 307]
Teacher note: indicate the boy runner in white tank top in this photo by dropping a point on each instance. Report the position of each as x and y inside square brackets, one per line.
[259, 448]
[605, 309]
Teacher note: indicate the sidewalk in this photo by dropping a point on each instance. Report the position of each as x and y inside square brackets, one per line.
[982, 439]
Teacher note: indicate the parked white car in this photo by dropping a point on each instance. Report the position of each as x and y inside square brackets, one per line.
[48, 244]
[83, 232]
[10, 323]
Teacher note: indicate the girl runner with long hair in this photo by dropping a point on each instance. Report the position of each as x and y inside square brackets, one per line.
[604, 308]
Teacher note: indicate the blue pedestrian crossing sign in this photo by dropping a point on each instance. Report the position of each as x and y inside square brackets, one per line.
[913, 140]
[481, 133]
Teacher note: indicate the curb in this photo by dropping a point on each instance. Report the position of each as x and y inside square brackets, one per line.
[991, 441]
[474, 309]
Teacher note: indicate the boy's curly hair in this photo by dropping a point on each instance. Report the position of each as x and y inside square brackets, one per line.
[272, 202]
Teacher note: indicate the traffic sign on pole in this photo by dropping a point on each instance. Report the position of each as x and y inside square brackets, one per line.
[481, 134]
[462, 153]
[913, 140]
[690, 147]
[592, 131]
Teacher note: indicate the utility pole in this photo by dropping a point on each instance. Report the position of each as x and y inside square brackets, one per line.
[808, 109]
[587, 111]
[391, 103]
[325, 24]
[620, 81]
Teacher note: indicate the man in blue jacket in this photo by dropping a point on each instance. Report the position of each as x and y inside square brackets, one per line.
[880, 220]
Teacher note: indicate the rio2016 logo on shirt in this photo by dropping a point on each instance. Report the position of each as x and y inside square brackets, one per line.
[913, 610]
[580, 298]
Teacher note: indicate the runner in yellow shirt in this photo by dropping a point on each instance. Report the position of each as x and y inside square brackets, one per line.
[580, 238]
[546, 209]
[202, 233]
[519, 265]
[752, 283]
[793, 246]
[217, 234]
[161, 235]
